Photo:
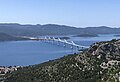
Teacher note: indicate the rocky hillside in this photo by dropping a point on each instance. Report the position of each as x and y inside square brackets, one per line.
[100, 63]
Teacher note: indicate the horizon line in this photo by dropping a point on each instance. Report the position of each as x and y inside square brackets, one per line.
[60, 25]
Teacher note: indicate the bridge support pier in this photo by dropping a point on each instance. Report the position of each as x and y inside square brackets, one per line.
[64, 43]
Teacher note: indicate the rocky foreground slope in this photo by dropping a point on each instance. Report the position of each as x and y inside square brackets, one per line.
[100, 63]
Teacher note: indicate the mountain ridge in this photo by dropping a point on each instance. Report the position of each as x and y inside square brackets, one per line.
[53, 29]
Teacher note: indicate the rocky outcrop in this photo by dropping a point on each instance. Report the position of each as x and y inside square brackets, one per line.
[106, 50]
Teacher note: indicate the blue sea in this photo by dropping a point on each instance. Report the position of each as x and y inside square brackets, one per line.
[26, 53]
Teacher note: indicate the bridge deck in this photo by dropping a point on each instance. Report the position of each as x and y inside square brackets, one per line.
[65, 42]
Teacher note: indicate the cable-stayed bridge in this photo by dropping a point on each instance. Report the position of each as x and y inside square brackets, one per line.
[60, 42]
[64, 43]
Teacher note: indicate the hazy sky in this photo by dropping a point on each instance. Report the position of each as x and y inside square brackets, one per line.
[80, 13]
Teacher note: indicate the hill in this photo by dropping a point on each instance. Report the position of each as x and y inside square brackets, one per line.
[53, 29]
[36, 30]
[100, 63]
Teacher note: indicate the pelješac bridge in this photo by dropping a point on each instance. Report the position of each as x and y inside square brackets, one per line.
[60, 42]
[64, 43]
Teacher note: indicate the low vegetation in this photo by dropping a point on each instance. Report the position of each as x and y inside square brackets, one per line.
[88, 66]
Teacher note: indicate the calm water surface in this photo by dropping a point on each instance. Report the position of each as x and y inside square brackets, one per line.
[34, 52]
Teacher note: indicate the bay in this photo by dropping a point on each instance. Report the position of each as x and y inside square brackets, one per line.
[26, 53]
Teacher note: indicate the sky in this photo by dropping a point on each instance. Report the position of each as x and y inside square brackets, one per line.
[79, 13]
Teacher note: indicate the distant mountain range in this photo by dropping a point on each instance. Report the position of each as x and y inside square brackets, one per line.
[52, 29]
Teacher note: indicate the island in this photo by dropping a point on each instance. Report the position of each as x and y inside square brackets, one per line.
[117, 35]
[86, 35]
[63, 38]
